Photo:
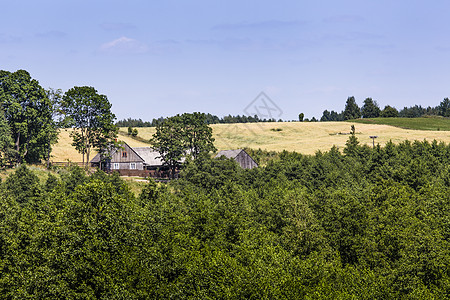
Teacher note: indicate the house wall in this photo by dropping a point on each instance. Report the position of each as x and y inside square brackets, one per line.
[126, 165]
[123, 158]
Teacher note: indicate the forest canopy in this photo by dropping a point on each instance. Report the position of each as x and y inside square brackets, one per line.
[367, 223]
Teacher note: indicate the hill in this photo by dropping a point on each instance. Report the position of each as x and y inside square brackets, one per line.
[302, 137]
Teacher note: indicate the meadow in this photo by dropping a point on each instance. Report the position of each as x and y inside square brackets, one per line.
[433, 123]
[302, 137]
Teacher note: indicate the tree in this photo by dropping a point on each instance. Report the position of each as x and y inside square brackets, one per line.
[29, 114]
[389, 112]
[89, 113]
[169, 141]
[352, 143]
[444, 108]
[370, 109]
[180, 135]
[301, 116]
[134, 133]
[325, 116]
[351, 110]
[55, 97]
[6, 141]
[197, 134]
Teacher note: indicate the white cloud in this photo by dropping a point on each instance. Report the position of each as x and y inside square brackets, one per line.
[124, 45]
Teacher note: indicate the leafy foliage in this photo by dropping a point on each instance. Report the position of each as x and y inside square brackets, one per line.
[90, 115]
[181, 135]
[29, 114]
[365, 223]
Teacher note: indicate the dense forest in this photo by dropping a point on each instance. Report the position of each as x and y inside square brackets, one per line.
[368, 223]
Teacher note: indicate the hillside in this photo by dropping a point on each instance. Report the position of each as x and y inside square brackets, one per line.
[426, 123]
[304, 137]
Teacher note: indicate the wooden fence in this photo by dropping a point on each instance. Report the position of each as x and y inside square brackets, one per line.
[66, 163]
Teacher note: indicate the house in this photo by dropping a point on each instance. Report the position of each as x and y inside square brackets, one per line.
[128, 161]
[239, 155]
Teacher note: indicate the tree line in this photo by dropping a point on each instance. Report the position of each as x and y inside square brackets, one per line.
[210, 119]
[367, 222]
[371, 109]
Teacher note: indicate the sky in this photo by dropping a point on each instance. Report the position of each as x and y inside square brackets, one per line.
[161, 58]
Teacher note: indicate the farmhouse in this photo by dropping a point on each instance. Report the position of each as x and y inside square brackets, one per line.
[239, 155]
[139, 161]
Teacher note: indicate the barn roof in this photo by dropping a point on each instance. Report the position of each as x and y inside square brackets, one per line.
[229, 153]
[96, 158]
[149, 155]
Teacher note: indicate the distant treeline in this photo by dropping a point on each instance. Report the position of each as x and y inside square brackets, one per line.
[370, 109]
[210, 119]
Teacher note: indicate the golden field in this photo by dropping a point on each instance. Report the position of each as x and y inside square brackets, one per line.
[302, 137]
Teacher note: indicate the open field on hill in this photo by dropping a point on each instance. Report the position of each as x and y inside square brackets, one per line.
[302, 137]
[429, 123]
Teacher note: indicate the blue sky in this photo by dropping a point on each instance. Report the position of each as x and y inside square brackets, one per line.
[160, 58]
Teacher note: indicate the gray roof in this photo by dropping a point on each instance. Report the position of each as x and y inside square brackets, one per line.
[149, 155]
[229, 153]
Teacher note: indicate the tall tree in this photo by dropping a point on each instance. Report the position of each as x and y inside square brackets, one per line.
[351, 110]
[389, 112]
[444, 108]
[169, 141]
[29, 114]
[370, 109]
[6, 141]
[197, 134]
[89, 113]
[55, 97]
[181, 135]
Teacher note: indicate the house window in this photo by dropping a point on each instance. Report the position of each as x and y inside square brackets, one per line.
[115, 166]
[124, 153]
[132, 166]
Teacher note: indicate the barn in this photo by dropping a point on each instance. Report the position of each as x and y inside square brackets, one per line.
[138, 161]
[239, 155]
[124, 158]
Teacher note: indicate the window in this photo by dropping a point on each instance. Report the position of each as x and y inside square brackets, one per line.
[132, 166]
[115, 166]
[124, 153]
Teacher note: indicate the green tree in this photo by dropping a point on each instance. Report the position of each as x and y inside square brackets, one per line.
[197, 134]
[169, 141]
[6, 141]
[370, 109]
[444, 108]
[351, 110]
[181, 135]
[55, 97]
[389, 112]
[135, 132]
[89, 113]
[351, 146]
[29, 114]
[301, 116]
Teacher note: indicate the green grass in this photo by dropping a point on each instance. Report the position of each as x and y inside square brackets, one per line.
[428, 123]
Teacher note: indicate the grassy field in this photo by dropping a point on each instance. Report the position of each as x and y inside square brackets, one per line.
[430, 123]
[302, 137]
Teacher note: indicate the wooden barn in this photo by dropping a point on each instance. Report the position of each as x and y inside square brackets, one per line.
[239, 155]
[128, 161]
[124, 158]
